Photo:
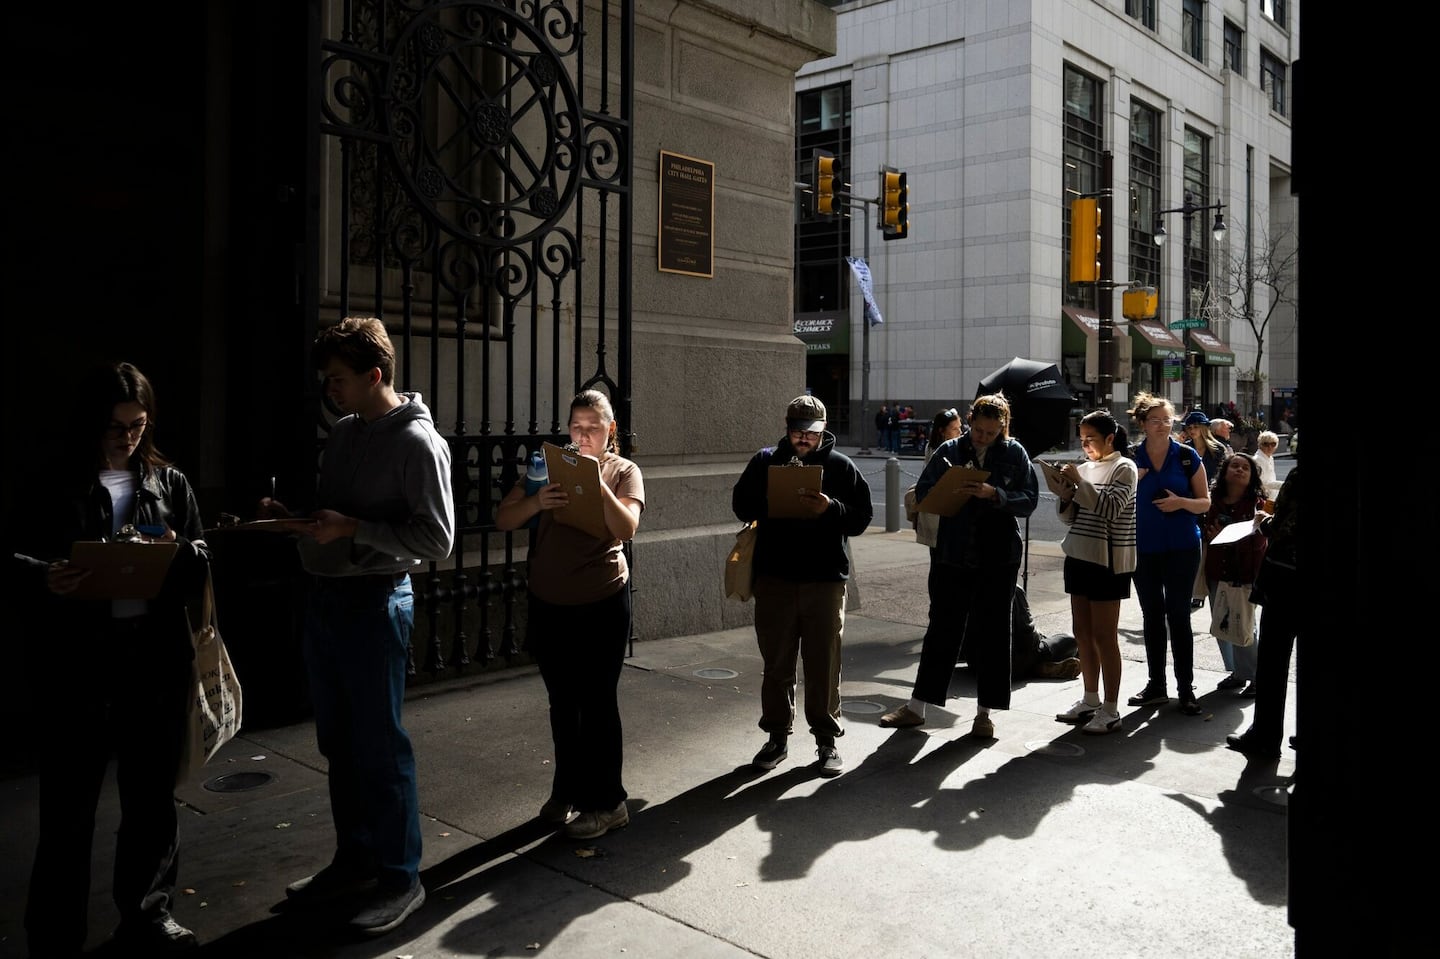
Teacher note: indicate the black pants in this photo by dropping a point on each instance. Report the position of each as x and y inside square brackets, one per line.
[580, 651]
[972, 605]
[127, 693]
[1279, 625]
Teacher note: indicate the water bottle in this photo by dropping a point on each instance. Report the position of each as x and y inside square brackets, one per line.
[537, 475]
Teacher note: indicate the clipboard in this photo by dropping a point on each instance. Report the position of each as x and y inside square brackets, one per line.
[783, 488]
[946, 497]
[579, 476]
[121, 570]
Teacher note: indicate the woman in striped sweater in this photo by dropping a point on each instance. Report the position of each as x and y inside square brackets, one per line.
[1097, 502]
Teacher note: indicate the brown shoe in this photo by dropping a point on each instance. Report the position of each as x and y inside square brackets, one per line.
[982, 728]
[902, 717]
[1059, 669]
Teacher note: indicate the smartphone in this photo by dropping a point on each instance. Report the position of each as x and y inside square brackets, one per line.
[152, 530]
[1160, 494]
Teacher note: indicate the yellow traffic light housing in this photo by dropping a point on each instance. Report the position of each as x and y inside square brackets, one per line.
[827, 174]
[1084, 240]
[895, 203]
[1139, 302]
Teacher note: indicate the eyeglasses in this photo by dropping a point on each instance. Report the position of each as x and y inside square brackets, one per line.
[811, 435]
[118, 430]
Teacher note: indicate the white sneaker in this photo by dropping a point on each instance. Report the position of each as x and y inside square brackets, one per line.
[1103, 721]
[1078, 713]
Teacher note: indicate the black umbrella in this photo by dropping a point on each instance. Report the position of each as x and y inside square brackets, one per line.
[1040, 402]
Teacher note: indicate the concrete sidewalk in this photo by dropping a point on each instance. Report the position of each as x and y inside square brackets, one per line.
[1044, 842]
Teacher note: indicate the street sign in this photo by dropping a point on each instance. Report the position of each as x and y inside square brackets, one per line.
[1189, 323]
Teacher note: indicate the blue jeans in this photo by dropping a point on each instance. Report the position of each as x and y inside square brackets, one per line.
[1164, 583]
[356, 646]
[1240, 660]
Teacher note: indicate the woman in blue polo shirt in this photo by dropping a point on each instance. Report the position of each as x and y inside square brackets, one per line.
[1172, 494]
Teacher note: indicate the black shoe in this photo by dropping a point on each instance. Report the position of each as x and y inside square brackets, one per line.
[1241, 743]
[1152, 694]
[1189, 705]
[1230, 682]
[329, 884]
[159, 937]
[1249, 692]
[830, 762]
[1196, 604]
[387, 909]
[770, 754]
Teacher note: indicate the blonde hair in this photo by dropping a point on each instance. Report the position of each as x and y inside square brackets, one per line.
[1267, 438]
[1145, 402]
[994, 406]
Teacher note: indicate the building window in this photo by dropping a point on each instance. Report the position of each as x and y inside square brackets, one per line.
[1084, 144]
[1272, 80]
[822, 279]
[1142, 10]
[1192, 28]
[1195, 256]
[1275, 10]
[1145, 140]
[1234, 48]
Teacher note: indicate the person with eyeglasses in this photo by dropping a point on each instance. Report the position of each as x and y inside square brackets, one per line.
[801, 569]
[979, 549]
[579, 623]
[128, 678]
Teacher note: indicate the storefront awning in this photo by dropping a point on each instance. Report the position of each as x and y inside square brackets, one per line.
[1080, 325]
[1152, 341]
[1213, 350]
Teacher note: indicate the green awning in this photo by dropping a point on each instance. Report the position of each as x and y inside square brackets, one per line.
[1080, 325]
[1213, 350]
[1152, 342]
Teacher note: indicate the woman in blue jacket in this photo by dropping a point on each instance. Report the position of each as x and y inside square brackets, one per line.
[979, 551]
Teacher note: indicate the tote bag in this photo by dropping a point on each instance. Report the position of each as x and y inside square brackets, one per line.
[212, 716]
[1232, 615]
[740, 565]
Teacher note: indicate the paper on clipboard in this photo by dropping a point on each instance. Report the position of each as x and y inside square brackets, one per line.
[1233, 533]
[579, 476]
[121, 570]
[783, 490]
[946, 497]
[1054, 475]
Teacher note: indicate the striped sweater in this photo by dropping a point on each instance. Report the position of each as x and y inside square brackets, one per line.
[1101, 517]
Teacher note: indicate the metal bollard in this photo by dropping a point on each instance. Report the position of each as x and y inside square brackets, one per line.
[892, 494]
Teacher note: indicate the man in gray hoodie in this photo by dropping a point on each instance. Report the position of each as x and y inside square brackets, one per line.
[385, 507]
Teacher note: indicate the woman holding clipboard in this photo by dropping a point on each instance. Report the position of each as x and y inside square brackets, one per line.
[580, 622]
[129, 678]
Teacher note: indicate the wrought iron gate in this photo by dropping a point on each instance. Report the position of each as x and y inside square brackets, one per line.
[475, 170]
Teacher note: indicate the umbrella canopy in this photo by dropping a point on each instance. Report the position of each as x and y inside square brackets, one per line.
[1040, 402]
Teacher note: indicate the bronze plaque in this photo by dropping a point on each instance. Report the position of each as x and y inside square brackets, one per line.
[687, 215]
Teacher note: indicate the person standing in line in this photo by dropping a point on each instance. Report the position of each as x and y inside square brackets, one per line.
[384, 507]
[580, 617]
[1277, 592]
[1096, 500]
[801, 567]
[1265, 446]
[980, 550]
[1235, 496]
[1200, 437]
[1222, 427]
[1171, 494]
[129, 678]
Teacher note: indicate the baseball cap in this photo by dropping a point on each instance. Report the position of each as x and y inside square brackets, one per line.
[805, 413]
[1196, 418]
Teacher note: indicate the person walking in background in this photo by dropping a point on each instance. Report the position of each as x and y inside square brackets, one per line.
[1172, 492]
[1277, 592]
[881, 419]
[801, 568]
[128, 680]
[1221, 428]
[580, 616]
[979, 550]
[384, 506]
[1096, 501]
[1235, 496]
[892, 429]
[1265, 446]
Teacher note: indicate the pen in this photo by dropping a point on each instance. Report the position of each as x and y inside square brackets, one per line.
[272, 487]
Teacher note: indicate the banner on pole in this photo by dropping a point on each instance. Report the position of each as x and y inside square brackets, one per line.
[861, 269]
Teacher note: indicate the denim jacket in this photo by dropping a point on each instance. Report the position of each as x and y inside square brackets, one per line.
[984, 531]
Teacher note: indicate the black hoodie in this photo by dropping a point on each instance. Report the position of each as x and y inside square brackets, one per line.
[805, 550]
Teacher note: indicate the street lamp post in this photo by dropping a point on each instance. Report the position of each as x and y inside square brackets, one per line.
[1187, 210]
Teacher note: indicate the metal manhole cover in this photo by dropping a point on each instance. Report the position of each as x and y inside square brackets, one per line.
[863, 706]
[1047, 748]
[237, 782]
[716, 672]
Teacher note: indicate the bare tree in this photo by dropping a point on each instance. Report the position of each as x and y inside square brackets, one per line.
[1255, 284]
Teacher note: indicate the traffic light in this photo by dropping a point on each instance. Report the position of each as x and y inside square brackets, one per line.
[895, 201]
[827, 177]
[1139, 302]
[1084, 240]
